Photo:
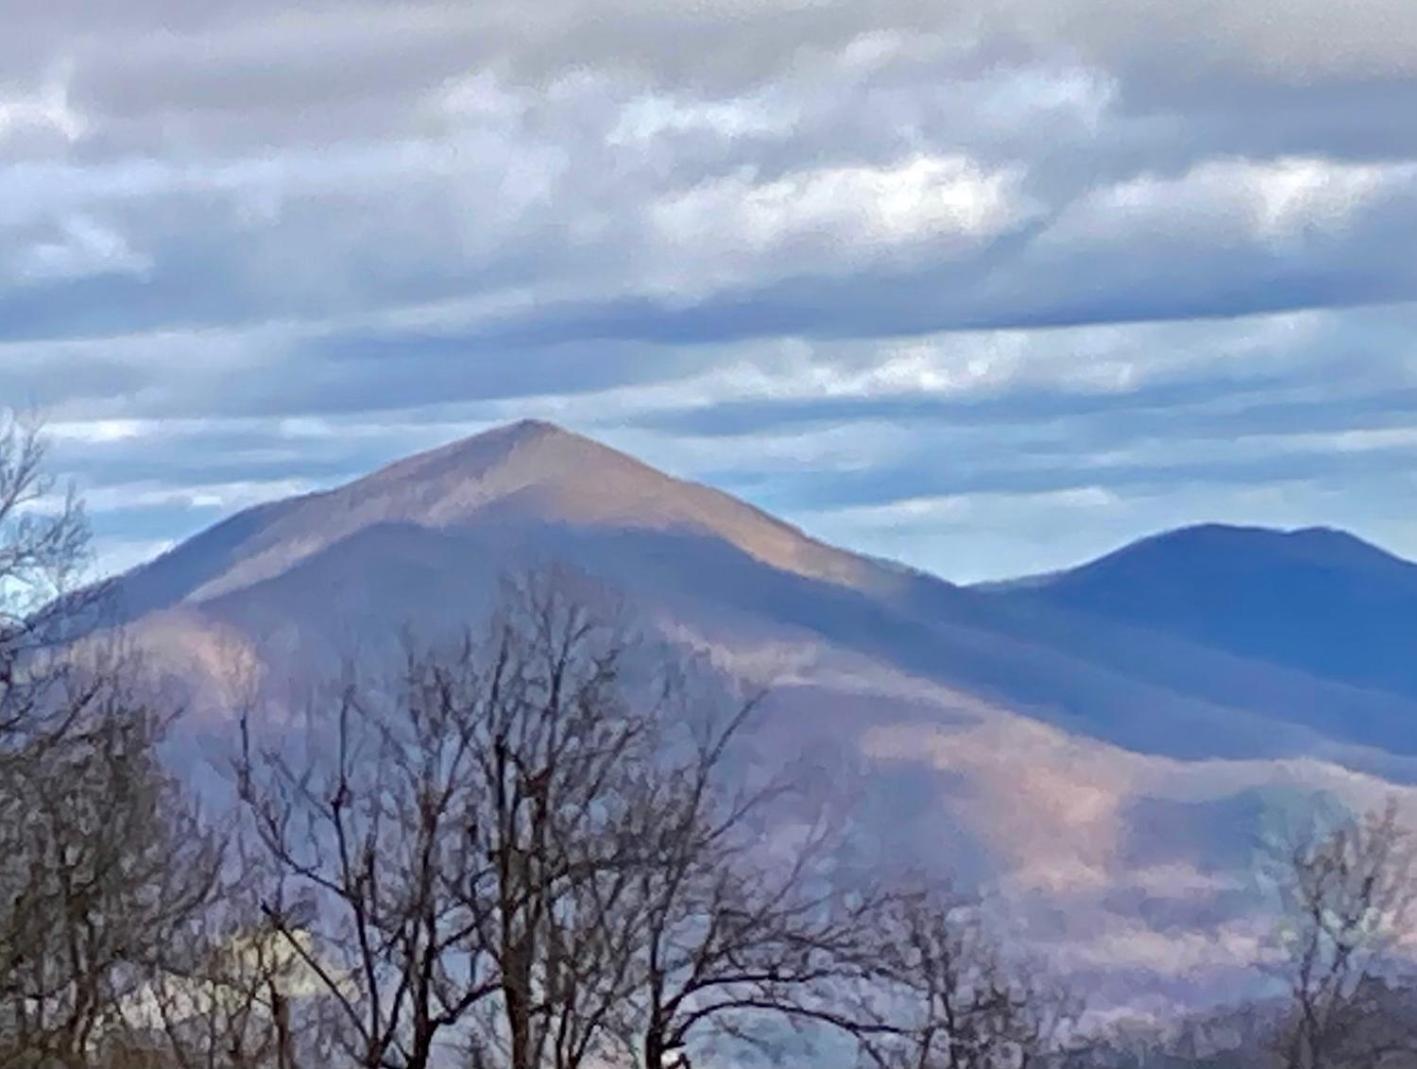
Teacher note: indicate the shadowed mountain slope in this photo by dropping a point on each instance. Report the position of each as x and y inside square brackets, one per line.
[1113, 740]
[1314, 600]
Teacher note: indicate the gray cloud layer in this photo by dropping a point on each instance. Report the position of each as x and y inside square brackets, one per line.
[987, 288]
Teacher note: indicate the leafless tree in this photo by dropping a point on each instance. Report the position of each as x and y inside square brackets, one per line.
[228, 993]
[955, 999]
[43, 553]
[638, 909]
[561, 742]
[111, 882]
[369, 839]
[1347, 897]
[97, 848]
[519, 848]
[100, 858]
[462, 854]
[742, 927]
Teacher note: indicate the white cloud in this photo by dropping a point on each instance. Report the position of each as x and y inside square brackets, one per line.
[44, 109]
[653, 115]
[83, 248]
[844, 214]
[98, 431]
[225, 497]
[931, 512]
[917, 199]
[1270, 201]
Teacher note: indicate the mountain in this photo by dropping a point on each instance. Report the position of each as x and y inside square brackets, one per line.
[422, 542]
[1314, 600]
[527, 471]
[1087, 740]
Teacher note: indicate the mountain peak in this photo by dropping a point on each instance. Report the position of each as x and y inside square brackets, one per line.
[520, 431]
[547, 446]
[528, 472]
[532, 427]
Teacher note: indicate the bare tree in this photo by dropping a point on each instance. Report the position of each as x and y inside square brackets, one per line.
[455, 843]
[111, 882]
[43, 552]
[535, 848]
[1347, 896]
[515, 848]
[637, 909]
[955, 1001]
[742, 926]
[229, 993]
[99, 851]
[561, 743]
[370, 843]
[100, 857]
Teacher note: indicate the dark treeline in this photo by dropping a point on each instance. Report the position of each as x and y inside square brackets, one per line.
[543, 846]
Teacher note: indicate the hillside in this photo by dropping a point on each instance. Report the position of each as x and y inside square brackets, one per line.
[1035, 736]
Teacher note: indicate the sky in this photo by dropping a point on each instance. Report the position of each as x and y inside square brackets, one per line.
[989, 286]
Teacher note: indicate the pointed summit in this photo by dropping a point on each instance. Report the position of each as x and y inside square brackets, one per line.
[527, 472]
[532, 428]
[476, 457]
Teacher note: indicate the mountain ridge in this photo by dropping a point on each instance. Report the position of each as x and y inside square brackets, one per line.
[1315, 599]
[1004, 732]
[453, 517]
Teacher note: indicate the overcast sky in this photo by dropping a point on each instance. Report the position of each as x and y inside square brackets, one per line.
[989, 291]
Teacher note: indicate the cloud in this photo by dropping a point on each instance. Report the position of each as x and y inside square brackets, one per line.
[82, 248]
[42, 111]
[843, 258]
[947, 204]
[1277, 201]
[1307, 41]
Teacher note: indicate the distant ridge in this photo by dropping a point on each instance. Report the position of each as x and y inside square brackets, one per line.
[1314, 598]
